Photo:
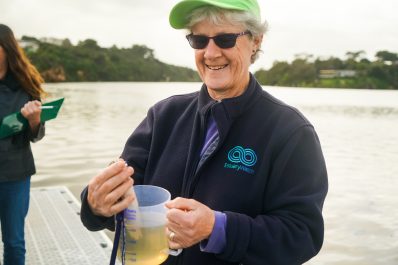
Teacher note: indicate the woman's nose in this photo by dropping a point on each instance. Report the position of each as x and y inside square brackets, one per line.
[212, 50]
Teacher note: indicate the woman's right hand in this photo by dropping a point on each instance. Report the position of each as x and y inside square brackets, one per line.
[108, 191]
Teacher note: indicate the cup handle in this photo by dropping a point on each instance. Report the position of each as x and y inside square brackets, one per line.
[175, 252]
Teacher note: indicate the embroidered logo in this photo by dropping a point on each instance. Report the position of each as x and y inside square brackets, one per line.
[242, 159]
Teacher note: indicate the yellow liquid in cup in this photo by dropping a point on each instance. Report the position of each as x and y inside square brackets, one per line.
[146, 244]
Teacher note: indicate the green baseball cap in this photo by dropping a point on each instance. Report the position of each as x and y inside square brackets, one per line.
[179, 14]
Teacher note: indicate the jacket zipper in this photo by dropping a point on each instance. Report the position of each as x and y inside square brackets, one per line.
[195, 171]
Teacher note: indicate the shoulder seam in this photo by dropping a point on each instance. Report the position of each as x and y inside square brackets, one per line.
[287, 106]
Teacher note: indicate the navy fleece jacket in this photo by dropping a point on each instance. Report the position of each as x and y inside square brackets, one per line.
[267, 174]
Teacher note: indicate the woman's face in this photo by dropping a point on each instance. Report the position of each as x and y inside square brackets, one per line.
[224, 71]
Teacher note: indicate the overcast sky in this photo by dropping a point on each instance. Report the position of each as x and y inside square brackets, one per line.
[318, 27]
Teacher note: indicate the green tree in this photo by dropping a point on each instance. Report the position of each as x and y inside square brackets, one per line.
[386, 56]
[87, 61]
[304, 71]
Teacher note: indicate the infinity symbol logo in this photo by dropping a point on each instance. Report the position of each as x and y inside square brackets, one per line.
[245, 156]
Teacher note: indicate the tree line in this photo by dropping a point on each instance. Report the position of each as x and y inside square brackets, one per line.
[355, 71]
[87, 61]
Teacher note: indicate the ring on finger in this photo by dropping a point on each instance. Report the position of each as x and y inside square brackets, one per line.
[172, 235]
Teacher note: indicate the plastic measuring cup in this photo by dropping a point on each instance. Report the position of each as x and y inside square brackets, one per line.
[144, 240]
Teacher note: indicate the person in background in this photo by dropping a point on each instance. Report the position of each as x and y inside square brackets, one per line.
[245, 170]
[20, 90]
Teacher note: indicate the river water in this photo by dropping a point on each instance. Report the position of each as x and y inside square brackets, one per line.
[358, 130]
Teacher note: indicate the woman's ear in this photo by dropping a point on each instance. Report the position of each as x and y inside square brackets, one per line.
[257, 42]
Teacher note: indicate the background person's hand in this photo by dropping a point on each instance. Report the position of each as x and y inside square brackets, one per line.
[108, 192]
[189, 222]
[31, 111]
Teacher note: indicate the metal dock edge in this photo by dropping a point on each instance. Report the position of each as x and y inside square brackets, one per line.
[54, 233]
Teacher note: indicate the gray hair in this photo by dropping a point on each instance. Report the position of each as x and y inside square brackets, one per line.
[219, 16]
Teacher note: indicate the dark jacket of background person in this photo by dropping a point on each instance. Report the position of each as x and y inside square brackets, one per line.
[16, 159]
[283, 192]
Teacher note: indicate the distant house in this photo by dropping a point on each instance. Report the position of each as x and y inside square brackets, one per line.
[28, 45]
[333, 73]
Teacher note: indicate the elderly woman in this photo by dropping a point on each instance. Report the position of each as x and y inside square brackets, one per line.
[245, 170]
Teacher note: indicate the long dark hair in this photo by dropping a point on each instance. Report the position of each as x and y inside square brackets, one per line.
[25, 72]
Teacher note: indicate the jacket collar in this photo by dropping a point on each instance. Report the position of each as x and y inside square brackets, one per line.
[205, 101]
[235, 106]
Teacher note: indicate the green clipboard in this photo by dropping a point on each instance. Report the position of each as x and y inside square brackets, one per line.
[15, 122]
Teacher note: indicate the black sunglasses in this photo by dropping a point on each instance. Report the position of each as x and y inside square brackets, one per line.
[224, 41]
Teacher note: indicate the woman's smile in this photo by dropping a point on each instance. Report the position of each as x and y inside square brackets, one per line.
[216, 67]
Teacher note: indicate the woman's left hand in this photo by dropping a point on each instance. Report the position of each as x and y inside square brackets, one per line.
[31, 111]
[189, 222]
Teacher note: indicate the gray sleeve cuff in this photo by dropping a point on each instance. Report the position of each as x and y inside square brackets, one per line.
[40, 133]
